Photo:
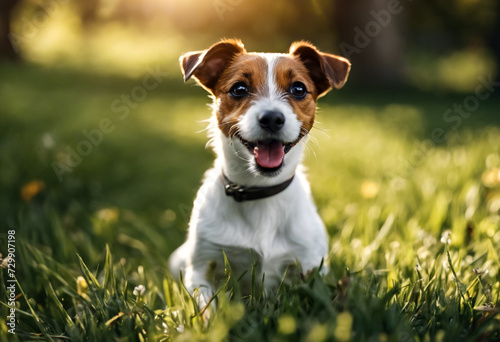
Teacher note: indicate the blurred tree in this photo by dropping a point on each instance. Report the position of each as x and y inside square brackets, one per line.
[375, 35]
[370, 35]
[442, 26]
[7, 50]
[494, 40]
[88, 12]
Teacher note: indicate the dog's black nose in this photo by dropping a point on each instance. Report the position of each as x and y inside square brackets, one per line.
[272, 121]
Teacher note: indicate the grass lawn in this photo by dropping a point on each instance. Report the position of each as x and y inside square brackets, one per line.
[409, 191]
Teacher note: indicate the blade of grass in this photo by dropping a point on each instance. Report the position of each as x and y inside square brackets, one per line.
[37, 319]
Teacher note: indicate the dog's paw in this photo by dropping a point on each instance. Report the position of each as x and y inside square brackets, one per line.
[205, 301]
[203, 295]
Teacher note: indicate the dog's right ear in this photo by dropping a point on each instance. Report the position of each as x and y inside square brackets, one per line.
[207, 66]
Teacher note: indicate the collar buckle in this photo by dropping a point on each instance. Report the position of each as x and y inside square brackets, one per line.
[237, 192]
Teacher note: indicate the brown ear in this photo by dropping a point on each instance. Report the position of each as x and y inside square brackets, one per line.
[207, 66]
[326, 70]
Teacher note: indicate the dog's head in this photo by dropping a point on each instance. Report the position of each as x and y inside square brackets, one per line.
[265, 103]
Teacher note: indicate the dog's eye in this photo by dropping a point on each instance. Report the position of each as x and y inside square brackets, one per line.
[239, 90]
[298, 90]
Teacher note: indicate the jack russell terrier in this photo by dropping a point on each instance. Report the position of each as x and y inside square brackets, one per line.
[255, 204]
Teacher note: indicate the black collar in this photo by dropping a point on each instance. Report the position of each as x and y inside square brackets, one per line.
[241, 193]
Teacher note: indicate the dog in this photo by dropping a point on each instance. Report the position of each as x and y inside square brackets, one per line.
[255, 205]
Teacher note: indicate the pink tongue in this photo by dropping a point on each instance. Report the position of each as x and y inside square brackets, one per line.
[269, 155]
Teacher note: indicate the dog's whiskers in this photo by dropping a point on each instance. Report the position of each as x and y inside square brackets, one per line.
[234, 130]
[313, 139]
[324, 131]
[310, 148]
[236, 151]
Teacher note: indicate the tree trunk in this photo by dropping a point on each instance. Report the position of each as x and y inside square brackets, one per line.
[7, 50]
[494, 43]
[369, 35]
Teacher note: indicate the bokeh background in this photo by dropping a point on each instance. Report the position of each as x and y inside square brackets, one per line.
[421, 44]
[102, 143]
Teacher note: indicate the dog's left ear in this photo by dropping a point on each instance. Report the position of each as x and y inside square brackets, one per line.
[207, 66]
[326, 70]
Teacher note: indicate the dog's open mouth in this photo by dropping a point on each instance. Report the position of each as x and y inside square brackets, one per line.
[270, 153]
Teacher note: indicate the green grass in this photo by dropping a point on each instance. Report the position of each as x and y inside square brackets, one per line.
[85, 243]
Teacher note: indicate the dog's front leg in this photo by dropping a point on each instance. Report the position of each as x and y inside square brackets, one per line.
[310, 241]
[194, 267]
[203, 267]
[195, 280]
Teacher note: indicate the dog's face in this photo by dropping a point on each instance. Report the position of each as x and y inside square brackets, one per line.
[265, 103]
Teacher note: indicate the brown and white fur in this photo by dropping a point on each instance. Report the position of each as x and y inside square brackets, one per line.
[264, 106]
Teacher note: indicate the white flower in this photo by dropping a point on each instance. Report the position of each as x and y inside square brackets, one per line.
[479, 271]
[139, 290]
[446, 237]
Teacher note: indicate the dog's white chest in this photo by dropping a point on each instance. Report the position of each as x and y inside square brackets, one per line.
[262, 225]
